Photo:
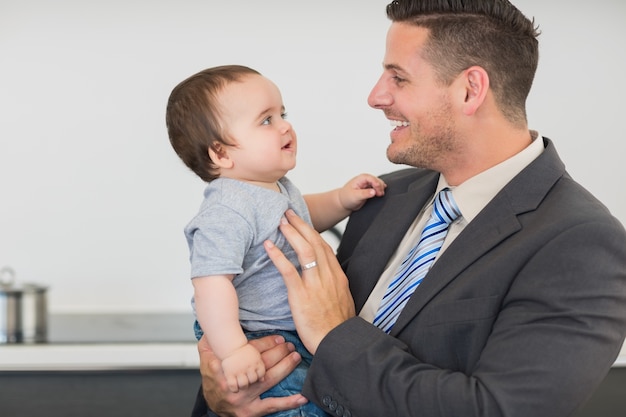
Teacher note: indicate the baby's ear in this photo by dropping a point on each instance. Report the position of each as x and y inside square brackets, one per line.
[219, 155]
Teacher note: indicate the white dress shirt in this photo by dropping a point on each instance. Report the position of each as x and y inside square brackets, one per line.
[471, 196]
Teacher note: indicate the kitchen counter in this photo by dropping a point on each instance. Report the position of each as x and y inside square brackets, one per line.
[108, 341]
[45, 357]
[145, 364]
[116, 341]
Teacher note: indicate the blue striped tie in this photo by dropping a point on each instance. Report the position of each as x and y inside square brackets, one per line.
[418, 261]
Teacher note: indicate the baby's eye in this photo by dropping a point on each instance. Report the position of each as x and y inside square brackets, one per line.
[267, 120]
[284, 115]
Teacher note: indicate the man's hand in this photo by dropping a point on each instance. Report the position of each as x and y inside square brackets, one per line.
[279, 359]
[320, 300]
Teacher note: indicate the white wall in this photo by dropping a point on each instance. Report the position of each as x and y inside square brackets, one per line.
[92, 198]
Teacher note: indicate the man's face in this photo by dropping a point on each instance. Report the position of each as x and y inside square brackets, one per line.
[419, 107]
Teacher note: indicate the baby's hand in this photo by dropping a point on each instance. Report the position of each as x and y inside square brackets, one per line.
[359, 189]
[243, 367]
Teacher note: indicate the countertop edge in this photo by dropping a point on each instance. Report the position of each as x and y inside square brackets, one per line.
[109, 356]
[100, 356]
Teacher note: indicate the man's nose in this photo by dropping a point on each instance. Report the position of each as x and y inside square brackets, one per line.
[379, 97]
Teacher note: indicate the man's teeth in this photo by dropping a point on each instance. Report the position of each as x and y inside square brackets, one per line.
[398, 123]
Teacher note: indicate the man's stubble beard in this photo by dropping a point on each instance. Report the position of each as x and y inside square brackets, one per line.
[429, 150]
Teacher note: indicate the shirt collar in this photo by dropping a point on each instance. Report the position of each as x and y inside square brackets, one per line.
[475, 193]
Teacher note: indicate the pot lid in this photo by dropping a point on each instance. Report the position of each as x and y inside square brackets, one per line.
[7, 283]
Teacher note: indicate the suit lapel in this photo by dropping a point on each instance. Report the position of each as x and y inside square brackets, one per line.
[378, 244]
[497, 221]
[488, 229]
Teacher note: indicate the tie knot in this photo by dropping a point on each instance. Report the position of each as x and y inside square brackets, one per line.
[445, 207]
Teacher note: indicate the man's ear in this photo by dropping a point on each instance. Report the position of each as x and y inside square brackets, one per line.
[476, 84]
[219, 155]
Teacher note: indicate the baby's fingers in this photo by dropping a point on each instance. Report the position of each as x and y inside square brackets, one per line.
[256, 374]
[379, 186]
[232, 383]
[368, 181]
[243, 381]
[376, 184]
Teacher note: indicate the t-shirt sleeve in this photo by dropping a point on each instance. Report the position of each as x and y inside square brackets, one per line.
[218, 241]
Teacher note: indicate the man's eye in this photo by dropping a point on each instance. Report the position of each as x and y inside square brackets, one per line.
[397, 79]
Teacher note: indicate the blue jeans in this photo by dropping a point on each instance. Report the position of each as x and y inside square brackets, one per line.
[292, 384]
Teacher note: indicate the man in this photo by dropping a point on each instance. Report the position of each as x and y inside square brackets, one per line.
[522, 311]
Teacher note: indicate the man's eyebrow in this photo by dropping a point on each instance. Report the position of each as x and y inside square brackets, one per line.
[394, 67]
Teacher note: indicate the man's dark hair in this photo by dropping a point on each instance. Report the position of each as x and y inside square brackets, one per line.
[492, 34]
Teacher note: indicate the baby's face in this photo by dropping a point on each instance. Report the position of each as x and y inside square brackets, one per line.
[253, 115]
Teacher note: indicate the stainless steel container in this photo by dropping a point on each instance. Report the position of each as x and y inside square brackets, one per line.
[34, 313]
[10, 315]
[23, 310]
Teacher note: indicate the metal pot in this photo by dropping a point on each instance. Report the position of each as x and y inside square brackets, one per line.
[23, 310]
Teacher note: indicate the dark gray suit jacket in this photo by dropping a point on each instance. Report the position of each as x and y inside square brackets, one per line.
[522, 315]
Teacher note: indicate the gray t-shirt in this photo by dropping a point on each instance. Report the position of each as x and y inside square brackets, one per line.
[226, 237]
